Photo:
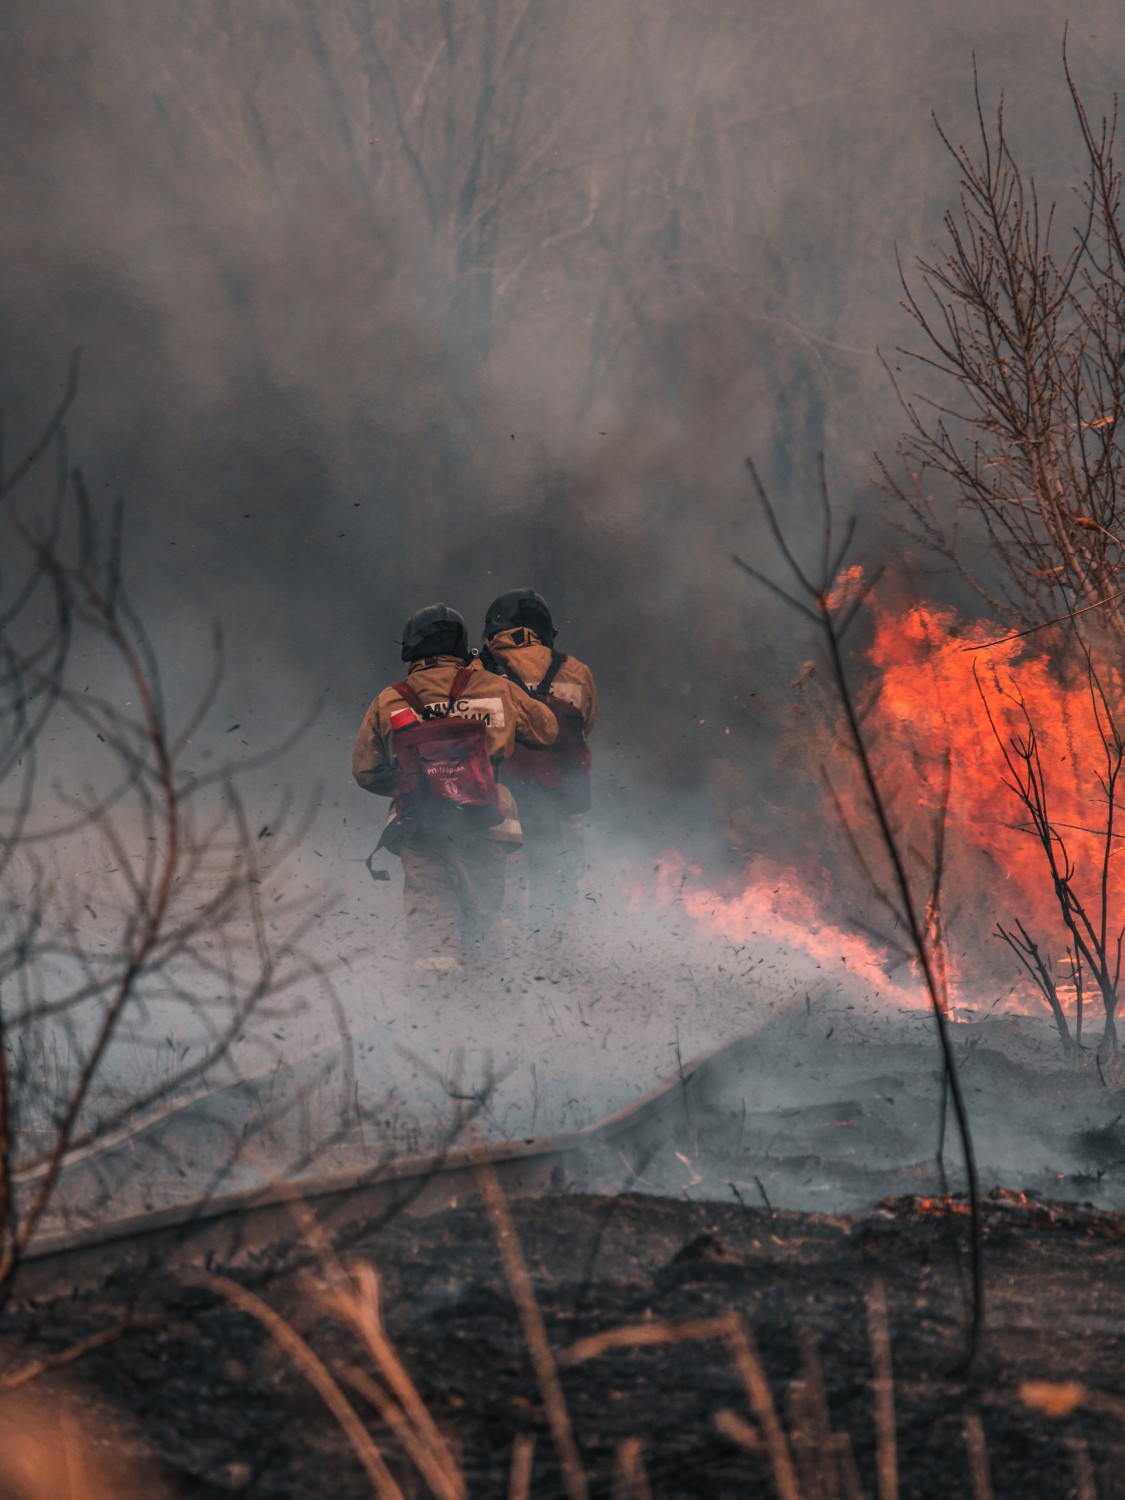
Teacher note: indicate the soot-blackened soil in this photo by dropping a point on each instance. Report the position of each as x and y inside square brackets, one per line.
[225, 1412]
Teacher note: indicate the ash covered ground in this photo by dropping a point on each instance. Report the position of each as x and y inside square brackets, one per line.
[781, 1178]
[816, 1090]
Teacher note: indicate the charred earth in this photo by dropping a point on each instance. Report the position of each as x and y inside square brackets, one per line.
[699, 1204]
[225, 1412]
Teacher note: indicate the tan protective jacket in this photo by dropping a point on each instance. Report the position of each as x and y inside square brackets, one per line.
[523, 651]
[508, 715]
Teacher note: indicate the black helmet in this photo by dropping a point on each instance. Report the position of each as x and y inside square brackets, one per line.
[520, 607]
[436, 630]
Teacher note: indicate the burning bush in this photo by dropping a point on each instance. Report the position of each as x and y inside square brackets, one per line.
[1012, 467]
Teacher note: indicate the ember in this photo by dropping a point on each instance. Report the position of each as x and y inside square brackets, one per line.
[941, 1206]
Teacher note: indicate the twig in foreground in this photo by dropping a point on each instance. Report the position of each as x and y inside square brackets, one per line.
[534, 1329]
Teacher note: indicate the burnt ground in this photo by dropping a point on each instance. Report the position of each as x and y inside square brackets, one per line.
[224, 1412]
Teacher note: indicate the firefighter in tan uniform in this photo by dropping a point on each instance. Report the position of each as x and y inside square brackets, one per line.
[552, 785]
[431, 743]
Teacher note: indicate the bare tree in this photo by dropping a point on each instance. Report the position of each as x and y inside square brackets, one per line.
[1021, 426]
[1018, 437]
[569, 179]
[451, 124]
[134, 951]
[1087, 897]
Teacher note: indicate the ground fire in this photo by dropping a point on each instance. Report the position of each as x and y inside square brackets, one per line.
[1027, 725]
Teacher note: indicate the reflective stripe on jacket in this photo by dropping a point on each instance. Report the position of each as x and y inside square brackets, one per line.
[509, 715]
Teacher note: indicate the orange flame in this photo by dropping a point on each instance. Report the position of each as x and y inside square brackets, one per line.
[934, 701]
[928, 703]
[777, 904]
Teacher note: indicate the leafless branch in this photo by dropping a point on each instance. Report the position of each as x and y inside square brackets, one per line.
[917, 913]
[129, 887]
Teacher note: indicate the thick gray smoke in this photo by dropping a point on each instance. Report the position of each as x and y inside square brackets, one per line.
[384, 303]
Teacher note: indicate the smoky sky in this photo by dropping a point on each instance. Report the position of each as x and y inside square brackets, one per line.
[386, 303]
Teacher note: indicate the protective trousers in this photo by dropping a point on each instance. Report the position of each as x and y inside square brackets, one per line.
[554, 847]
[453, 889]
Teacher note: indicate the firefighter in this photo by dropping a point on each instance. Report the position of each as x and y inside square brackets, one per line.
[552, 785]
[431, 744]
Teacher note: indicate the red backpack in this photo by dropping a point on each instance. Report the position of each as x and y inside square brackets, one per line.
[562, 768]
[443, 761]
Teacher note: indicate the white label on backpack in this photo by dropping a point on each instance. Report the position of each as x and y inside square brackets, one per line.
[489, 710]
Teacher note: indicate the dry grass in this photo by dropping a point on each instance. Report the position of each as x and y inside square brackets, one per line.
[523, 1456]
[321, 1378]
[979, 1471]
[52, 1450]
[534, 1329]
[630, 1481]
[886, 1444]
[48, 1452]
[807, 1459]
